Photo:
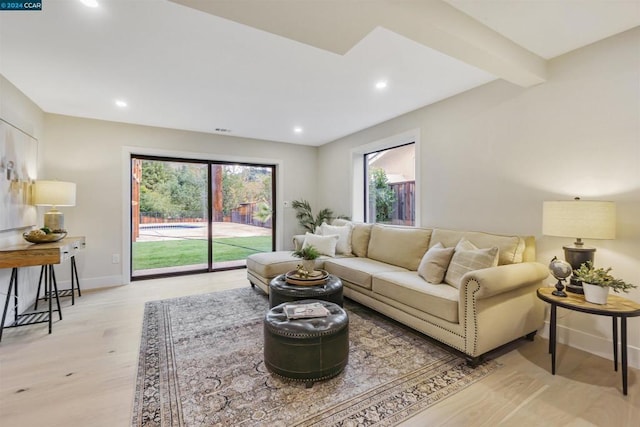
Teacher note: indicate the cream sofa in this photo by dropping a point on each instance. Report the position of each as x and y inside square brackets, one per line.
[485, 309]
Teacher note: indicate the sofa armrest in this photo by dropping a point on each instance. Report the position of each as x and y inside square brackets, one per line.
[496, 280]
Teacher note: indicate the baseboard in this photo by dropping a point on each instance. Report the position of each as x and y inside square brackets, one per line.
[593, 344]
[93, 282]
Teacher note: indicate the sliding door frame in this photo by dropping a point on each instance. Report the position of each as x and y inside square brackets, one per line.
[128, 152]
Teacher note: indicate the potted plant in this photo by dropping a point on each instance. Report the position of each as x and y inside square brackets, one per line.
[308, 254]
[305, 216]
[596, 283]
[306, 219]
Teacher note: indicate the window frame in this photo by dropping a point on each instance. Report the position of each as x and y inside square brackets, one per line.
[358, 194]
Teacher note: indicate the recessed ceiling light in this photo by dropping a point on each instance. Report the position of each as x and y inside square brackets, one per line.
[120, 103]
[297, 129]
[90, 3]
[381, 84]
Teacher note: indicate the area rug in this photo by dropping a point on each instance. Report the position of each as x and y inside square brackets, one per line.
[201, 364]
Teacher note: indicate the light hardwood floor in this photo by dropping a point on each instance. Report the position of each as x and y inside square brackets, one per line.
[83, 373]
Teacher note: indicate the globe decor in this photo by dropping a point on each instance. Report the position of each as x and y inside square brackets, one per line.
[560, 270]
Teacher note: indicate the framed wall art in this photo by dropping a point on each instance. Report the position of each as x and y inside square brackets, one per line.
[18, 170]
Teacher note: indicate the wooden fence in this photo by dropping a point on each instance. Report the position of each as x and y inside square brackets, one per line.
[243, 214]
[404, 207]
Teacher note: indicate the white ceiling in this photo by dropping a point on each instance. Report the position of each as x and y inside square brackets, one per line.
[274, 65]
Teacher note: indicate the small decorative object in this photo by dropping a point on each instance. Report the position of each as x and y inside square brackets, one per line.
[44, 235]
[302, 272]
[560, 270]
[597, 282]
[309, 254]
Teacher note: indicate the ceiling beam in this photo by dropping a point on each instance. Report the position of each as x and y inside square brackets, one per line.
[338, 25]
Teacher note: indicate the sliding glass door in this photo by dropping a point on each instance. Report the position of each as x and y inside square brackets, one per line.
[195, 216]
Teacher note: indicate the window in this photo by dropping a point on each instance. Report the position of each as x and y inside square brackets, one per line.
[390, 183]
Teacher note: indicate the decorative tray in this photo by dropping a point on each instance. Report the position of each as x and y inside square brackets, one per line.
[46, 238]
[317, 277]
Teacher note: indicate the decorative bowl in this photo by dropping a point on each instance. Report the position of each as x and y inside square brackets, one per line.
[47, 238]
[318, 277]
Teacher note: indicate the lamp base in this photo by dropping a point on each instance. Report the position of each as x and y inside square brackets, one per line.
[54, 220]
[576, 256]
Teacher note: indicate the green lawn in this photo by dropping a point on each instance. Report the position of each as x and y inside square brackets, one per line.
[169, 253]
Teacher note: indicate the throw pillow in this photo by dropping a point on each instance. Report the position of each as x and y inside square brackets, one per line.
[326, 245]
[434, 263]
[344, 233]
[360, 239]
[467, 257]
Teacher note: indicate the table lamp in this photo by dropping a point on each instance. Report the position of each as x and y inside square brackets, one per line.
[54, 194]
[580, 219]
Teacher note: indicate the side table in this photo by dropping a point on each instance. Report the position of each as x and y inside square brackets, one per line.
[45, 255]
[616, 307]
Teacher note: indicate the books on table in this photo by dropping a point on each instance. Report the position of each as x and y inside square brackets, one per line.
[304, 311]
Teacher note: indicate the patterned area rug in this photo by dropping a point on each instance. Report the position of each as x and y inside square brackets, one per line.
[201, 364]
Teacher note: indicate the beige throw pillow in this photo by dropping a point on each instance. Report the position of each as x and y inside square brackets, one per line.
[467, 257]
[344, 236]
[326, 245]
[434, 263]
[360, 239]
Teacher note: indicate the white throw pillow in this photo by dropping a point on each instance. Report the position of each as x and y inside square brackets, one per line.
[467, 257]
[434, 263]
[326, 245]
[344, 233]
[340, 221]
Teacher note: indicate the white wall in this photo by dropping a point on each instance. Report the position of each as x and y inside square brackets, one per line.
[492, 155]
[18, 110]
[93, 154]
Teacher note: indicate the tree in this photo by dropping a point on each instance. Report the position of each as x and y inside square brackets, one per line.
[382, 193]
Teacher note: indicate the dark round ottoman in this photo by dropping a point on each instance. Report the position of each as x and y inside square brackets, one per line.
[280, 291]
[306, 350]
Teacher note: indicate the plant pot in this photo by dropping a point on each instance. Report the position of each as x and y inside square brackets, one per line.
[309, 264]
[595, 294]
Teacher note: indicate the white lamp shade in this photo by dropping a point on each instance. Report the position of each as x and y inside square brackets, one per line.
[54, 193]
[580, 219]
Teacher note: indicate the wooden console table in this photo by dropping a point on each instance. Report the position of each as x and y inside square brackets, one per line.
[28, 255]
[615, 307]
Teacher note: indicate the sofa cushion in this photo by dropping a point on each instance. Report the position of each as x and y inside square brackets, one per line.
[357, 270]
[511, 248]
[433, 266]
[396, 245]
[360, 239]
[410, 289]
[272, 264]
[344, 232]
[467, 257]
[326, 245]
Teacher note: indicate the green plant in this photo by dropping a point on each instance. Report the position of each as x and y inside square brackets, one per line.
[307, 252]
[587, 273]
[382, 193]
[305, 215]
[264, 212]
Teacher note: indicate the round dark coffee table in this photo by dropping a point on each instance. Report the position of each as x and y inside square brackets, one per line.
[306, 350]
[280, 291]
